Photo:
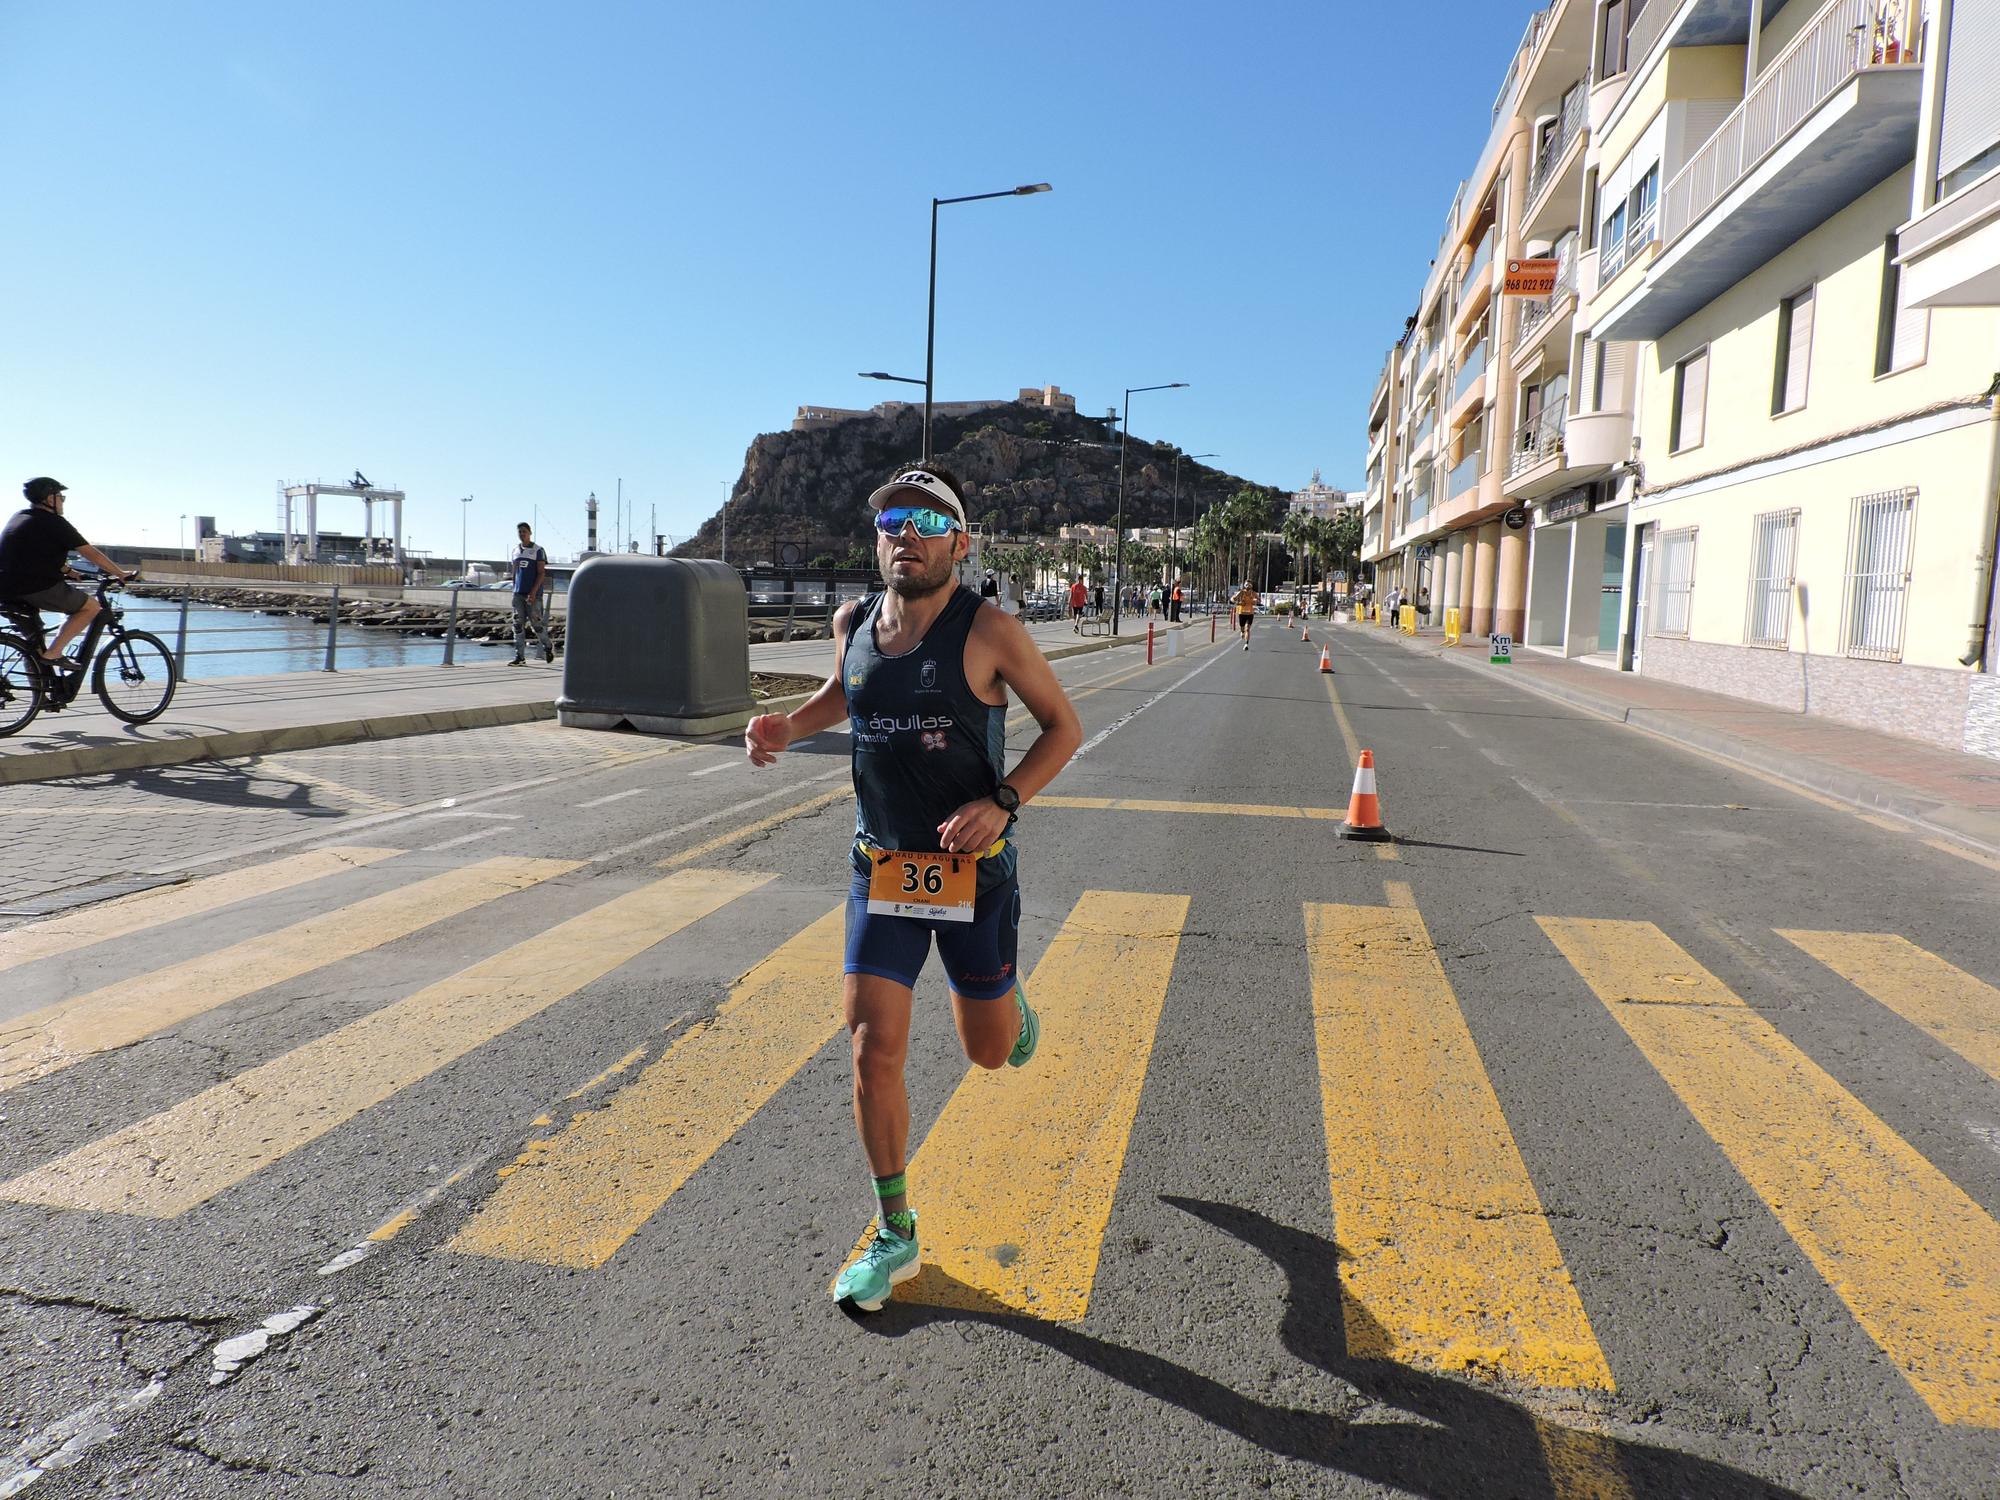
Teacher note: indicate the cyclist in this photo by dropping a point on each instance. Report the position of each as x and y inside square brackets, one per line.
[1246, 611]
[34, 564]
[922, 674]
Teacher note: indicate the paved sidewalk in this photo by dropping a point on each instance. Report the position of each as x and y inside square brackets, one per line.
[1946, 791]
[225, 717]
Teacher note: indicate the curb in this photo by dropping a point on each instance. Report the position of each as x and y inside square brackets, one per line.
[1856, 788]
[141, 755]
[146, 755]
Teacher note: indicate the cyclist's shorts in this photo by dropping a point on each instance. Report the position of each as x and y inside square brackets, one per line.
[978, 956]
[57, 599]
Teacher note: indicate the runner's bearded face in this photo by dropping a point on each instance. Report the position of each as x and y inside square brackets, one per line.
[917, 566]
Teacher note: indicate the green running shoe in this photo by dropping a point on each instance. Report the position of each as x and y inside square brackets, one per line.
[873, 1274]
[1031, 1031]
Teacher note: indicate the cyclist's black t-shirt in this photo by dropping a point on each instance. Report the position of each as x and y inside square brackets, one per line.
[34, 545]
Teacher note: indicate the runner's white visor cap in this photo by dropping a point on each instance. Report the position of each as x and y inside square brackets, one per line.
[921, 489]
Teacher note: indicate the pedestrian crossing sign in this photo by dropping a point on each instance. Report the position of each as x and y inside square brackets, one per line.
[1503, 649]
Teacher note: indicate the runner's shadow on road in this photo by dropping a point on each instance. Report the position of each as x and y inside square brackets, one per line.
[1409, 843]
[1457, 1441]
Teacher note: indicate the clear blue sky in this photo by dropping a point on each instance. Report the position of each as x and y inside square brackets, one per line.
[519, 251]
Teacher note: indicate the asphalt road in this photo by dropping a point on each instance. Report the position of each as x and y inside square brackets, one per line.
[1629, 1129]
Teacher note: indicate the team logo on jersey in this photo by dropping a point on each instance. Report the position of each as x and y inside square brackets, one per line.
[933, 739]
[927, 675]
[854, 678]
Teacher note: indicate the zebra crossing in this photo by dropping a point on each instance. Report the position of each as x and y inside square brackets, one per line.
[1450, 1262]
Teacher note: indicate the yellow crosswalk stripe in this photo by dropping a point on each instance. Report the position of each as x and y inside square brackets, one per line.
[48, 1040]
[185, 1155]
[574, 1199]
[1914, 1258]
[1015, 1180]
[1960, 1011]
[1582, 1465]
[1448, 1260]
[136, 913]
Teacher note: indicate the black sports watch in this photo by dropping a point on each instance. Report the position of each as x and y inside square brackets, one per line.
[1009, 802]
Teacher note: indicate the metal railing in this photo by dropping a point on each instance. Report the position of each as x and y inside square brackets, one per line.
[1535, 311]
[1539, 441]
[1424, 428]
[1568, 127]
[1845, 37]
[1622, 252]
[1417, 503]
[1644, 33]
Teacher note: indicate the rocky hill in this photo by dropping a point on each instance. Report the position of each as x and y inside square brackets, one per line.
[1025, 469]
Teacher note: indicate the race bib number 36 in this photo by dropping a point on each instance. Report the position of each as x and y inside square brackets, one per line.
[936, 886]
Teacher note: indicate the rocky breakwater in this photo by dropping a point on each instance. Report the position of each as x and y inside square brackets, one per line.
[483, 615]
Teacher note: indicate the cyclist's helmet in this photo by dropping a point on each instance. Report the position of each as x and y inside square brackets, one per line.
[40, 491]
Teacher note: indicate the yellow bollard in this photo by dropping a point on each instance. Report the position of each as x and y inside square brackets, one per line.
[1451, 626]
[1408, 624]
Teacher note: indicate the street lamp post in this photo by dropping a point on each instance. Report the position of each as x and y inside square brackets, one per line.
[930, 316]
[1175, 548]
[464, 557]
[1124, 420]
[180, 540]
[727, 486]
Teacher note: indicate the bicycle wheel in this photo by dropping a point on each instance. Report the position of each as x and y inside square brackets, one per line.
[20, 685]
[134, 676]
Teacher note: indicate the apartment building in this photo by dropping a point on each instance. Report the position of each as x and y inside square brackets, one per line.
[1750, 440]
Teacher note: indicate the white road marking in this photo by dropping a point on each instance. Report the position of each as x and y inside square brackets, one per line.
[1104, 734]
[1493, 755]
[474, 813]
[613, 797]
[790, 789]
[1457, 728]
[719, 766]
[464, 838]
[63, 1442]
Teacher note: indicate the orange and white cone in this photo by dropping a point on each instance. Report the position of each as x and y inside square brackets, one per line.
[1305, 632]
[1364, 810]
[1325, 659]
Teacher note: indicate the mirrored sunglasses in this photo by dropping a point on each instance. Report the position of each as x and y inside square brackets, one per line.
[891, 519]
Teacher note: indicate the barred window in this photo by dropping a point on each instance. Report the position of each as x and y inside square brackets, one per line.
[1774, 550]
[1670, 615]
[1878, 574]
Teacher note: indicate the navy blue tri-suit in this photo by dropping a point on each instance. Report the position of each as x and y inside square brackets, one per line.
[925, 745]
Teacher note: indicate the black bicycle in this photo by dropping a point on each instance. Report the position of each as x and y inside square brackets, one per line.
[133, 675]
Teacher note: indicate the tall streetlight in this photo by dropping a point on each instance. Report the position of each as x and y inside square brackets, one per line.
[1190, 457]
[930, 317]
[727, 486]
[180, 540]
[1124, 420]
[464, 557]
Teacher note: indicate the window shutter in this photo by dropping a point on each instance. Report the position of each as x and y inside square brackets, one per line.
[1912, 331]
[1798, 353]
[1694, 400]
[1972, 85]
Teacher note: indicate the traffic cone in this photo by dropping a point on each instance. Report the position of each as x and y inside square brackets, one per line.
[1325, 659]
[1364, 811]
[1305, 632]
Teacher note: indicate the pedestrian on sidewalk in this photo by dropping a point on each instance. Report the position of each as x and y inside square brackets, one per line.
[990, 589]
[1079, 596]
[531, 596]
[930, 781]
[1424, 603]
[1097, 599]
[1174, 608]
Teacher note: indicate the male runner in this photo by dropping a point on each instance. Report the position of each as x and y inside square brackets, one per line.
[922, 673]
[1246, 612]
[1079, 599]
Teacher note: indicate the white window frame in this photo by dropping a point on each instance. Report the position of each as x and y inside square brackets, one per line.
[1875, 593]
[1784, 398]
[1674, 603]
[1774, 560]
[1678, 416]
[1902, 333]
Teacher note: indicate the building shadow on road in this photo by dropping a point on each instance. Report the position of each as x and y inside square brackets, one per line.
[1459, 1442]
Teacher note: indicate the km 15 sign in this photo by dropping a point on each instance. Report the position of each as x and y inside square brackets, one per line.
[1530, 278]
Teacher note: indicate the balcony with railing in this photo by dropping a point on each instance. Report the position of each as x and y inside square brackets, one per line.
[1482, 261]
[1831, 116]
[1535, 456]
[1464, 477]
[1417, 499]
[1569, 128]
[1470, 374]
[1539, 315]
[1425, 426]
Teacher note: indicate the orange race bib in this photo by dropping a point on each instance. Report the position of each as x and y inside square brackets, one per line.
[939, 887]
